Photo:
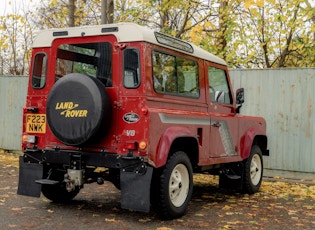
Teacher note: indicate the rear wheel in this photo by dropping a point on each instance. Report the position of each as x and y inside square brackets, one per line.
[175, 186]
[253, 172]
[58, 192]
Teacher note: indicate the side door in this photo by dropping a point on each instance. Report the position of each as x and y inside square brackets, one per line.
[223, 123]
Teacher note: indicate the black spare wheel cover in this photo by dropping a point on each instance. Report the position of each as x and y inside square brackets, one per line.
[77, 108]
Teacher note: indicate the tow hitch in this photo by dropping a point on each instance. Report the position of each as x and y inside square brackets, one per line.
[74, 177]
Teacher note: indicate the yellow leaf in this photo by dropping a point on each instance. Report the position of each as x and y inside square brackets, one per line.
[110, 220]
[229, 213]
[199, 214]
[226, 207]
[144, 220]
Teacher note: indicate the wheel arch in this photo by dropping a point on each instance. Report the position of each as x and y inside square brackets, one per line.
[177, 139]
[254, 137]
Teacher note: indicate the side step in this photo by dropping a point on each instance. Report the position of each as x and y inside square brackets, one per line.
[233, 177]
[47, 182]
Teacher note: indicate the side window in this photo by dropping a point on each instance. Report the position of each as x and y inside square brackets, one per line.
[39, 71]
[188, 77]
[131, 72]
[91, 59]
[164, 73]
[175, 75]
[219, 87]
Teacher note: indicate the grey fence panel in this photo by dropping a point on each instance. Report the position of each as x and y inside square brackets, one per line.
[285, 98]
[12, 99]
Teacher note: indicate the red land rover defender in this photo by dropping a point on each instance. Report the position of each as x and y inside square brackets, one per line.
[146, 108]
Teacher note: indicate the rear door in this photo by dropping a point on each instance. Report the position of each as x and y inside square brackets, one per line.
[94, 57]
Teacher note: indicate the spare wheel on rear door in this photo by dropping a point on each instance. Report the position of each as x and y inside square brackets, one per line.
[78, 108]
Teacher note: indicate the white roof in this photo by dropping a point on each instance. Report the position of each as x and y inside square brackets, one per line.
[126, 32]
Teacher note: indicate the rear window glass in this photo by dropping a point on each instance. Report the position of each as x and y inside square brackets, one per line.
[91, 59]
[39, 71]
[131, 68]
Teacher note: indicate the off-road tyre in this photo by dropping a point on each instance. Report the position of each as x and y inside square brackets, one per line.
[174, 187]
[253, 171]
[58, 192]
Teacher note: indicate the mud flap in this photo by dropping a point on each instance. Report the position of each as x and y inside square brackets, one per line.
[230, 182]
[135, 190]
[28, 174]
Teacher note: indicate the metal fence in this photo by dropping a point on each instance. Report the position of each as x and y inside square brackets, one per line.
[284, 97]
[12, 99]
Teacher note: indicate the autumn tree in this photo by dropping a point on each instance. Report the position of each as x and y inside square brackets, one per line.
[15, 40]
[247, 34]
[174, 17]
[65, 13]
[273, 34]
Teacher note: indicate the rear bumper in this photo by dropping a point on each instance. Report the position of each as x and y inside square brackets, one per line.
[98, 159]
[135, 175]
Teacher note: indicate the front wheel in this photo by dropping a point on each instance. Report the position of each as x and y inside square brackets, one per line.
[253, 172]
[175, 186]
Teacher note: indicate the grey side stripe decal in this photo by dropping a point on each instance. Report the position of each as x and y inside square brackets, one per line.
[167, 119]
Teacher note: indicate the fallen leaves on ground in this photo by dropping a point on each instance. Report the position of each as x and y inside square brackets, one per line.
[280, 203]
[290, 204]
[10, 159]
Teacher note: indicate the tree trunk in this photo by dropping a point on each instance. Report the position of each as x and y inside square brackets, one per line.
[107, 15]
[223, 26]
[71, 13]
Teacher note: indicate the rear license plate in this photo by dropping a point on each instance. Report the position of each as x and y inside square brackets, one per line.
[36, 123]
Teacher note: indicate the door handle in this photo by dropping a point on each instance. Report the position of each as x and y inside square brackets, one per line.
[216, 124]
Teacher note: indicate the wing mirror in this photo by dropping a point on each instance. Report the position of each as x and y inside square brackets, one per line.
[240, 98]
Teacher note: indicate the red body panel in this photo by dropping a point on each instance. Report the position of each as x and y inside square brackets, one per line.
[221, 135]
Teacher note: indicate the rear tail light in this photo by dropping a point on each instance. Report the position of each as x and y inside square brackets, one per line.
[131, 145]
[31, 139]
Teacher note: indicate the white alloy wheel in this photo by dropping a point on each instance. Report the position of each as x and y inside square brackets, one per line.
[255, 169]
[179, 185]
